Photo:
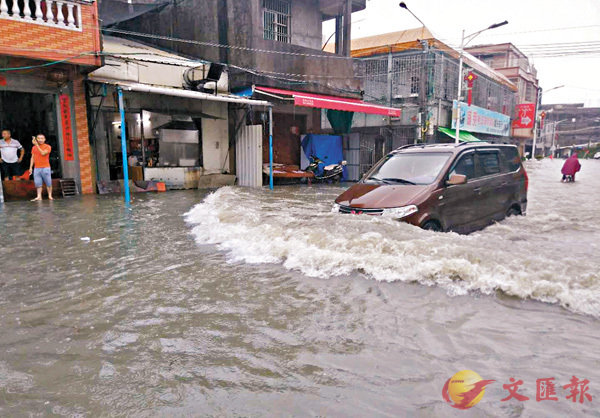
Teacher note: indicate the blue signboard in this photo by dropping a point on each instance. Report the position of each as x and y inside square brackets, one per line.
[478, 119]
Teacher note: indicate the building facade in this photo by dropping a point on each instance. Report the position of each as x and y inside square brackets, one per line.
[267, 44]
[566, 126]
[173, 135]
[508, 60]
[414, 71]
[46, 50]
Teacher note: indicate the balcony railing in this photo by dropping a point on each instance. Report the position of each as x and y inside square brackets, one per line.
[57, 14]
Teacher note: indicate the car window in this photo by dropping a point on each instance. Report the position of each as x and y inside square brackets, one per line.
[511, 158]
[489, 162]
[465, 166]
[408, 168]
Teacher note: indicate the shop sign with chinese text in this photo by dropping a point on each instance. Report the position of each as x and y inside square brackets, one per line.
[478, 119]
[67, 130]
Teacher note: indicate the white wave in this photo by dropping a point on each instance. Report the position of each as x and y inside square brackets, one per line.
[264, 227]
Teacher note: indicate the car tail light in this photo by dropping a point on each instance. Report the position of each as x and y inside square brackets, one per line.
[526, 178]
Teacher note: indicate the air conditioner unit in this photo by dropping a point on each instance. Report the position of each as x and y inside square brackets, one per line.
[198, 79]
[402, 92]
[405, 96]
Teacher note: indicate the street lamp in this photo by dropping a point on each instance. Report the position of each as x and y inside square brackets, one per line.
[538, 103]
[404, 6]
[572, 120]
[463, 43]
[554, 88]
[422, 86]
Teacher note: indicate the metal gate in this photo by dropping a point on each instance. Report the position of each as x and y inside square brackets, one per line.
[367, 154]
[352, 155]
[248, 156]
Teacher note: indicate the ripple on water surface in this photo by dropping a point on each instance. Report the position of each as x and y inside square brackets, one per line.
[549, 255]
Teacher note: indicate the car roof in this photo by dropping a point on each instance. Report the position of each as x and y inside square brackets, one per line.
[447, 147]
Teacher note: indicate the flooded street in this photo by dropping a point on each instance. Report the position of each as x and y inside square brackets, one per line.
[256, 303]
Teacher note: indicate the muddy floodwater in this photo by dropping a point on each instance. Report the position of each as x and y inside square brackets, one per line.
[248, 302]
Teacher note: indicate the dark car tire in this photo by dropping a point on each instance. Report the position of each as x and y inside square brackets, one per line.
[512, 211]
[432, 226]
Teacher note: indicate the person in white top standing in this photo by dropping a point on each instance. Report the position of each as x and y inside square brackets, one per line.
[10, 163]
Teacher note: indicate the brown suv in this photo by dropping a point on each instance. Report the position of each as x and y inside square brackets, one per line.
[442, 187]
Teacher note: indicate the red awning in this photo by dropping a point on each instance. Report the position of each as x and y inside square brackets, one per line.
[331, 102]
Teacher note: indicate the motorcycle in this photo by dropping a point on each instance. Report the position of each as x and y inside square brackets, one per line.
[331, 172]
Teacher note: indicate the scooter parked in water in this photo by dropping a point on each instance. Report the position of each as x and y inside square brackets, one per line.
[331, 173]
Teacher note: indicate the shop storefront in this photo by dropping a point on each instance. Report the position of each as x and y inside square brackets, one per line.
[172, 135]
[46, 49]
[169, 138]
[298, 114]
[32, 104]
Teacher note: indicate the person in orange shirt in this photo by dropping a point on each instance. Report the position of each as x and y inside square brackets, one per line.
[40, 156]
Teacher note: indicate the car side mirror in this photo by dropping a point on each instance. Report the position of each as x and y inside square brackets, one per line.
[456, 179]
[344, 162]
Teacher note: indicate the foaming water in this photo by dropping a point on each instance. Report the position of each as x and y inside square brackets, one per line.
[550, 255]
[274, 306]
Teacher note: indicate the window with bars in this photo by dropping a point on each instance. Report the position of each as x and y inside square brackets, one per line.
[277, 20]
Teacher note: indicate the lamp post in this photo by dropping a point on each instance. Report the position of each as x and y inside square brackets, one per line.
[422, 85]
[463, 43]
[538, 103]
[554, 125]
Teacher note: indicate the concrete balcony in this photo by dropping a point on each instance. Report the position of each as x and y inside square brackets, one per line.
[56, 14]
[297, 68]
[331, 8]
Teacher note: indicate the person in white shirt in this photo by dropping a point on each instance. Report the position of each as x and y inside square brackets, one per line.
[10, 162]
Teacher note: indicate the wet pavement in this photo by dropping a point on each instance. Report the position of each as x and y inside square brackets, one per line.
[257, 303]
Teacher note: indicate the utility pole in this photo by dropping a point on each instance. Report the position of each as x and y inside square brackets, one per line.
[347, 28]
[463, 43]
[422, 82]
[553, 138]
[339, 34]
[460, 76]
[423, 91]
[538, 100]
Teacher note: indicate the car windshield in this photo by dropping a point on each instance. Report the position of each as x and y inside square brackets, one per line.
[408, 168]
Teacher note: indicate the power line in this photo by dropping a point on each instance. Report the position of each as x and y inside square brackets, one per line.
[217, 45]
[573, 131]
[561, 43]
[543, 30]
[47, 64]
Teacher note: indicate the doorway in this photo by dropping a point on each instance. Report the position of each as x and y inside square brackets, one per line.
[29, 114]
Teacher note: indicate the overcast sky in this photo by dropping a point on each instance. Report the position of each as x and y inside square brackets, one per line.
[534, 25]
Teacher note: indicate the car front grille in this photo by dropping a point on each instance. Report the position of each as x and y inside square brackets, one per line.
[360, 211]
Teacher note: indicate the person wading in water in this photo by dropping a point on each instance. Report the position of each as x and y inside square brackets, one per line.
[40, 157]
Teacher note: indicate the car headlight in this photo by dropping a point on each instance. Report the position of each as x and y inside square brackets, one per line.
[401, 212]
[335, 208]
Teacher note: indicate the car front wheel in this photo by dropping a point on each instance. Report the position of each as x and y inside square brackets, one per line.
[432, 226]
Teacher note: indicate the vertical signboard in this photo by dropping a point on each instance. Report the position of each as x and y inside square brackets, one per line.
[525, 115]
[67, 130]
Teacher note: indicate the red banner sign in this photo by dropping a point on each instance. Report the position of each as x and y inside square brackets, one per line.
[65, 116]
[525, 115]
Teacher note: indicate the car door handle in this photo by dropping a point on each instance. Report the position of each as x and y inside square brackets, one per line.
[477, 190]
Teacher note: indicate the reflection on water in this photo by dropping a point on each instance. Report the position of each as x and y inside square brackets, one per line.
[248, 302]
